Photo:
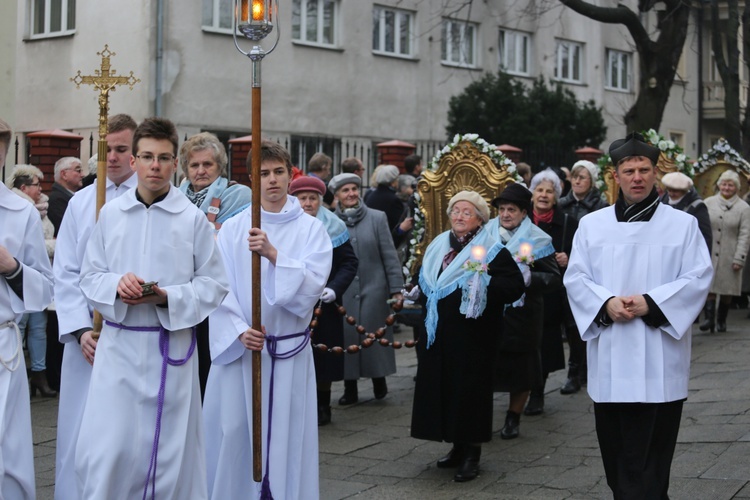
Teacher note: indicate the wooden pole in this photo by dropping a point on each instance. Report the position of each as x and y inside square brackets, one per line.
[256, 283]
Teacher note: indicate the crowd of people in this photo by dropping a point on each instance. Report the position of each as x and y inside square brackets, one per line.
[169, 269]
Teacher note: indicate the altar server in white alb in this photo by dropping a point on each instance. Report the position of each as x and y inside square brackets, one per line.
[296, 255]
[142, 428]
[638, 275]
[73, 312]
[25, 285]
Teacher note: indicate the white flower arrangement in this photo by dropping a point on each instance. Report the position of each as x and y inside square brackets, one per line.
[497, 157]
[721, 151]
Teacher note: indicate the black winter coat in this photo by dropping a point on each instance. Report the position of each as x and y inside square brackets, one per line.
[453, 392]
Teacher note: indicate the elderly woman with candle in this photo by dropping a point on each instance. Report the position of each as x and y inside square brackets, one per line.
[730, 220]
[465, 281]
[518, 361]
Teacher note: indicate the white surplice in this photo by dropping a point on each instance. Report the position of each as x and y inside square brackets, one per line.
[665, 258]
[172, 243]
[290, 289]
[74, 313]
[21, 234]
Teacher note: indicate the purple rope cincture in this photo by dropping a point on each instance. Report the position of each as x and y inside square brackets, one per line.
[272, 344]
[166, 360]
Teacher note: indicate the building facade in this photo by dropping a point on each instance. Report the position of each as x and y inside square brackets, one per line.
[346, 74]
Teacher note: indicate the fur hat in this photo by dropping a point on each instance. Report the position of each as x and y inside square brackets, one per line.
[342, 179]
[21, 171]
[592, 168]
[307, 183]
[678, 181]
[473, 198]
[386, 174]
[632, 145]
[730, 175]
[515, 193]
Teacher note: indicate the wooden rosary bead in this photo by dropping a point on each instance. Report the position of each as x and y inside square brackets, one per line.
[352, 349]
[390, 319]
[397, 306]
[318, 311]
[313, 324]
[371, 335]
[410, 343]
[396, 344]
[361, 329]
[351, 320]
[367, 342]
[384, 342]
[337, 350]
[322, 347]
[341, 310]
[380, 332]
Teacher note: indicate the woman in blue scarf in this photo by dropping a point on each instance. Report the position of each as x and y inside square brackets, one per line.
[465, 280]
[518, 361]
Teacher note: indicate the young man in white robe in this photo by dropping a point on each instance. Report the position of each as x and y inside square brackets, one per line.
[638, 275]
[145, 378]
[73, 312]
[296, 257]
[25, 285]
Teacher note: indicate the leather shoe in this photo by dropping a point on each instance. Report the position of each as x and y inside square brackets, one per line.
[571, 386]
[351, 395]
[469, 468]
[324, 415]
[453, 458]
[379, 387]
[512, 425]
[535, 406]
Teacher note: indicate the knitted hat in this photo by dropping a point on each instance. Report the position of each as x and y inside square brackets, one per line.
[591, 167]
[473, 198]
[678, 181]
[386, 174]
[307, 183]
[515, 193]
[632, 145]
[342, 179]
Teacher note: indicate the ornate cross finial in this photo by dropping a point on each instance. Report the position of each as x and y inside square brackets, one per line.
[104, 80]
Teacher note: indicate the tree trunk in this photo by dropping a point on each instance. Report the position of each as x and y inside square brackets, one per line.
[727, 56]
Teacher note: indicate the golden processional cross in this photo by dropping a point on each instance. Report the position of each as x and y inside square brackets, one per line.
[104, 80]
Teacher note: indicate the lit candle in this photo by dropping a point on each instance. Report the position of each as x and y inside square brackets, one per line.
[478, 253]
[258, 10]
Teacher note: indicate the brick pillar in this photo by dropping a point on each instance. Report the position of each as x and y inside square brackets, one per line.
[240, 150]
[48, 146]
[394, 152]
[589, 153]
[511, 152]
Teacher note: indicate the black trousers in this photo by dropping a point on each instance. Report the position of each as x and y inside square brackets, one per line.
[637, 442]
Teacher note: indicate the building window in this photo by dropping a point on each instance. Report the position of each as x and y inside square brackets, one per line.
[513, 50]
[618, 70]
[218, 15]
[392, 31]
[52, 18]
[569, 62]
[315, 21]
[459, 43]
[678, 138]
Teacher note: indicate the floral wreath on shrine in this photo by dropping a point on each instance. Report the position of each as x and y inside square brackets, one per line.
[494, 153]
[670, 149]
[721, 151]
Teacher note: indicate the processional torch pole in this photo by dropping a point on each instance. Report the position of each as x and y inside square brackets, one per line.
[104, 80]
[255, 19]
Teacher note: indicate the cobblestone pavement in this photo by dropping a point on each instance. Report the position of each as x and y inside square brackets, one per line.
[367, 453]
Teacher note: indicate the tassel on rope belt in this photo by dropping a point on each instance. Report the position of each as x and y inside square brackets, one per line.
[15, 361]
[166, 360]
[272, 346]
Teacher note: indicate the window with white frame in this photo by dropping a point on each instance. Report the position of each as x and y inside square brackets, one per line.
[618, 70]
[459, 43]
[569, 61]
[513, 52]
[315, 21]
[392, 31]
[52, 18]
[218, 15]
[677, 137]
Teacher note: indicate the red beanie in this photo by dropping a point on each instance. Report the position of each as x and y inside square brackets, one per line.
[307, 183]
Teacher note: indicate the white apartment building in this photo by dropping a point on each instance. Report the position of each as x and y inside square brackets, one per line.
[346, 74]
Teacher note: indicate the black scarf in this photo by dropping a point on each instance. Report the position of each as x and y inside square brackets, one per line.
[637, 212]
[457, 244]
